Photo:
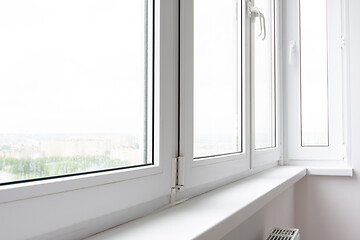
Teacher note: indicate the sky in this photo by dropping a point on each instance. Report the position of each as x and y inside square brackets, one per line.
[71, 66]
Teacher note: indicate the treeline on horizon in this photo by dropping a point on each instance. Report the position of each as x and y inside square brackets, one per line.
[51, 166]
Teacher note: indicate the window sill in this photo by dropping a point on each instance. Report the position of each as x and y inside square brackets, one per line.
[321, 171]
[213, 214]
[323, 168]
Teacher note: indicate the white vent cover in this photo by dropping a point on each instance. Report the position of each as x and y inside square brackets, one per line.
[284, 234]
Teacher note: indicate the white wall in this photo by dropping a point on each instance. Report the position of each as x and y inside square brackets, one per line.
[278, 213]
[329, 207]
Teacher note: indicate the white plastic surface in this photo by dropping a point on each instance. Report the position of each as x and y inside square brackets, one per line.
[210, 215]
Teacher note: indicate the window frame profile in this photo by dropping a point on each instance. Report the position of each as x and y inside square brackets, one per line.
[269, 155]
[235, 163]
[149, 102]
[209, 172]
[97, 195]
[334, 153]
[206, 172]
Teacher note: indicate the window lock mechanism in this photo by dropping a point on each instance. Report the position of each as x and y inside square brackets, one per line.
[255, 12]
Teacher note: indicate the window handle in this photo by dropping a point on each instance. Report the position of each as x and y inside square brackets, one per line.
[292, 48]
[264, 26]
[255, 12]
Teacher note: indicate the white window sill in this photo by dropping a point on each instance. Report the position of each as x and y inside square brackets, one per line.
[336, 171]
[323, 167]
[211, 215]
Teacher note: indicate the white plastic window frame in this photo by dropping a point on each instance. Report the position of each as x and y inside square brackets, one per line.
[208, 173]
[269, 155]
[335, 153]
[67, 201]
[146, 188]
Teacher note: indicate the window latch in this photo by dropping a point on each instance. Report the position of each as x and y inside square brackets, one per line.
[254, 12]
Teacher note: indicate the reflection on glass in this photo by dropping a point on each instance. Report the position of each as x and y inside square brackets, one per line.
[217, 77]
[314, 85]
[73, 86]
[264, 78]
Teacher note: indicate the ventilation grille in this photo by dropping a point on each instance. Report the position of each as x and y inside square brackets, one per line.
[283, 234]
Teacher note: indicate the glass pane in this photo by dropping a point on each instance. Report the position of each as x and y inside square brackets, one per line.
[314, 84]
[73, 86]
[264, 79]
[217, 77]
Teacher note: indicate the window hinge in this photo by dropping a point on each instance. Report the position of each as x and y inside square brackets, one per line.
[249, 5]
[343, 42]
[177, 174]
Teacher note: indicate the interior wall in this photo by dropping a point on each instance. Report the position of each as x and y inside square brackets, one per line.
[278, 213]
[329, 207]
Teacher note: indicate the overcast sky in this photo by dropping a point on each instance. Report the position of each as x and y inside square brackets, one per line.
[71, 66]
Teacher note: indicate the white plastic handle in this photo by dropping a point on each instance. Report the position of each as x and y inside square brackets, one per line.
[292, 45]
[255, 12]
[263, 23]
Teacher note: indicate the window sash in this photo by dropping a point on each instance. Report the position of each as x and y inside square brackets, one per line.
[146, 148]
[96, 190]
[272, 154]
[335, 150]
[214, 169]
